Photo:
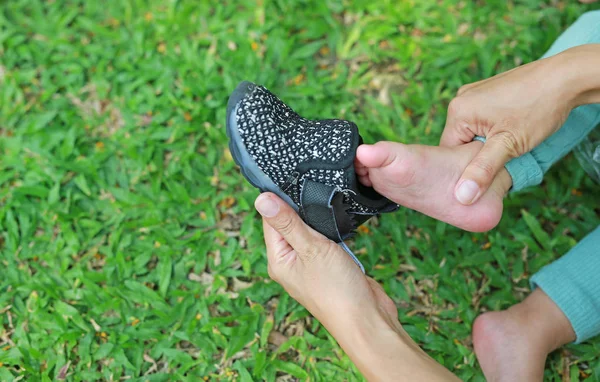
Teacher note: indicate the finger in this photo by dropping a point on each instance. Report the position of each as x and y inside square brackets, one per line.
[456, 131]
[378, 155]
[361, 171]
[453, 135]
[365, 180]
[279, 253]
[482, 170]
[286, 222]
[275, 243]
[360, 168]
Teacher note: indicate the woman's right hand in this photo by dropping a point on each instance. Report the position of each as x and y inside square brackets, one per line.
[515, 111]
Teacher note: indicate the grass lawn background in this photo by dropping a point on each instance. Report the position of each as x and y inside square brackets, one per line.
[129, 245]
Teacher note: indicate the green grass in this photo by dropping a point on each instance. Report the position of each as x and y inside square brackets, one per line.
[130, 248]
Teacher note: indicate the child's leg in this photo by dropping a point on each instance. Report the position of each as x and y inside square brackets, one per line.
[573, 283]
[512, 345]
[565, 306]
[529, 169]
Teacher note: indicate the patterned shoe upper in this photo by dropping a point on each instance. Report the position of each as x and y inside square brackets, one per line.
[308, 160]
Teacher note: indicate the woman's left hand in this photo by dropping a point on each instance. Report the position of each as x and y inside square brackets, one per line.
[316, 271]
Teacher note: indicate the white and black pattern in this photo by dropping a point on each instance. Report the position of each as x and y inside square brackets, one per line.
[310, 162]
[279, 139]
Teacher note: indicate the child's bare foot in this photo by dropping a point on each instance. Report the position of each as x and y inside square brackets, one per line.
[423, 178]
[512, 345]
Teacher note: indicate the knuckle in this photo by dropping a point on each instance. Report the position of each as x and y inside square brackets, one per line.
[507, 123]
[311, 252]
[486, 169]
[286, 225]
[318, 249]
[455, 106]
[511, 142]
[330, 248]
[463, 89]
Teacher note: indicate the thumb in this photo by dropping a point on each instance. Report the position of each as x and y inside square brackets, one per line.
[285, 221]
[480, 173]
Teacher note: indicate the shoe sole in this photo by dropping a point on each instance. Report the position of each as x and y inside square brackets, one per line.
[240, 154]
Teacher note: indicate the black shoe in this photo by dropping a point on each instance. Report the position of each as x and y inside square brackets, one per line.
[309, 164]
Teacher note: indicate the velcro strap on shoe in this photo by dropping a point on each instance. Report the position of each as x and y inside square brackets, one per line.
[323, 208]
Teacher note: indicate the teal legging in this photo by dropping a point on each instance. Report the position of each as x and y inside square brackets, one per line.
[573, 281]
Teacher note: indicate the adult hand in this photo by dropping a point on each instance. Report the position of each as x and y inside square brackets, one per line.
[515, 111]
[316, 271]
[354, 308]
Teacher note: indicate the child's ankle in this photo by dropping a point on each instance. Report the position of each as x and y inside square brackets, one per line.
[544, 321]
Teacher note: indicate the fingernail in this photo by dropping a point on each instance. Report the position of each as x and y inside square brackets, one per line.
[466, 192]
[266, 206]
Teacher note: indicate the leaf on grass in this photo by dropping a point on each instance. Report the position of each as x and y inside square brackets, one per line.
[81, 183]
[536, 228]
[240, 338]
[38, 191]
[353, 36]
[54, 193]
[307, 50]
[290, 368]
[243, 372]
[165, 269]
[260, 362]
[477, 259]
[145, 295]
[103, 351]
[266, 331]
[43, 119]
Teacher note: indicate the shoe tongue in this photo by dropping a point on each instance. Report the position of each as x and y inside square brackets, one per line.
[330, 145]
[339, 159]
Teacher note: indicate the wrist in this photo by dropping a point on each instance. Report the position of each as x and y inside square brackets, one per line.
[373, 344]
[383, 351]
[354, 325]
[578, 70]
